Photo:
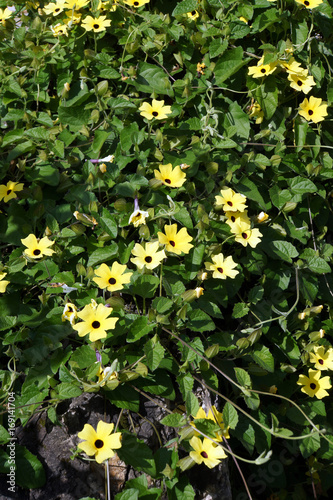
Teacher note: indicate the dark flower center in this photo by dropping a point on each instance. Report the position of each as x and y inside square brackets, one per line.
[167, 181]
[229, 203]
[57, 9]
[148, 259]
[96, 26]
[9, 191]
[193, 13]
[95, 324]
[313, 386]
[136, 4]
[321, 361]
[37, 252]
[112, 281]
[70, 309]
[172, 243]
[263, 70]
[204, 454]
[99, 443]
[310, 112]
[155, 113]
[233, 218]
[245, 236]
[306, 3]
[299, 83]
[220, 270]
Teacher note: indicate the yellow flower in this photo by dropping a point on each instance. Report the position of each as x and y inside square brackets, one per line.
[155, 110]
[310, 4]
[54, 8]
[245, 235]
[176, 242]
[262, 217]
[200, 68]
[69, 313]
[72, 17]
[206, 451]
[77, 4]
[193, 15]
[169, 176]
[112, 279]
[37, 248]
[136, 3]
[147, 256]
[301, 83]
[323, 359]
[95, 322]
[5, 14]
[313, 109]
[256, 112]
[293, 67]
[3, 283]
[235, 217]
[217, 417]
[243, 19]
[231, 201]
[95, 24]
[314, 385]
[262, 69]
[138, 217]
[222, 268]
[101, 442]
[59, 29]
[8, 192]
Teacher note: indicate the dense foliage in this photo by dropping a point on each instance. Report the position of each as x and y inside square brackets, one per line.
[166, 214]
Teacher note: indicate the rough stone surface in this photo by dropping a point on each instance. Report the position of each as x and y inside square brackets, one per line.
[68, 479]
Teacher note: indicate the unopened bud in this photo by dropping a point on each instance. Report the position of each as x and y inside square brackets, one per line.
[314, 336]
[191, 295]
[120, 205]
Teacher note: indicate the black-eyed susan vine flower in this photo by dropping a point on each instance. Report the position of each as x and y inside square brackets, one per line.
[112, 278]
[147, 256]
[95, 24]
[3, 283]
[54, 8]
[262, 69]
[59, 30]
[313, 385]
[8, 191]
[310, 4]
[155, 110]
[37, 248]
[313, 109]
[138, 217]
[245, 235]
[100, 442]
[5, 14]
[262, 217]
[231, 201]
[301, 83]
[77, 4]
[69, 313]
[234, 217]
[95, 321]
[222, 267]
[106, 374]
[172, 177]
[205, 451]
[216, 416]
[323, 359]
[293, 67]
[136, 3]
[175, 241]
[193, 15]
[256, 112]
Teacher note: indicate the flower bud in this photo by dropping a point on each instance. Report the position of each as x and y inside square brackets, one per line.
[120, 205]
[102, 88]
[191, 295]
[314, 336]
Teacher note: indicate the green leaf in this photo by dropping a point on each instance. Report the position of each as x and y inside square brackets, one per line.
[107, 223]
[253, 401]
[251, 191]
[29, 471]
[67, 390]
[184, 7]
[227, 65]
[138, 326]
[102, 255]
[240, 310]
[301, 129]
[301, 185]
[229, 416]
[192, 404]
[83, 357]
[267, 96]
[162, 304]
[4, 435]
[262, 356]
[183, 490]
[243, 378]
[199, 321]
[128, 494]
[216, 47]
[281, 250]
[174, 420]
[137, 454]
[144, 285]
[151, 78]
[154, 352]
[309, 445]
[75, 116]
[236, 122]
[125, 397]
